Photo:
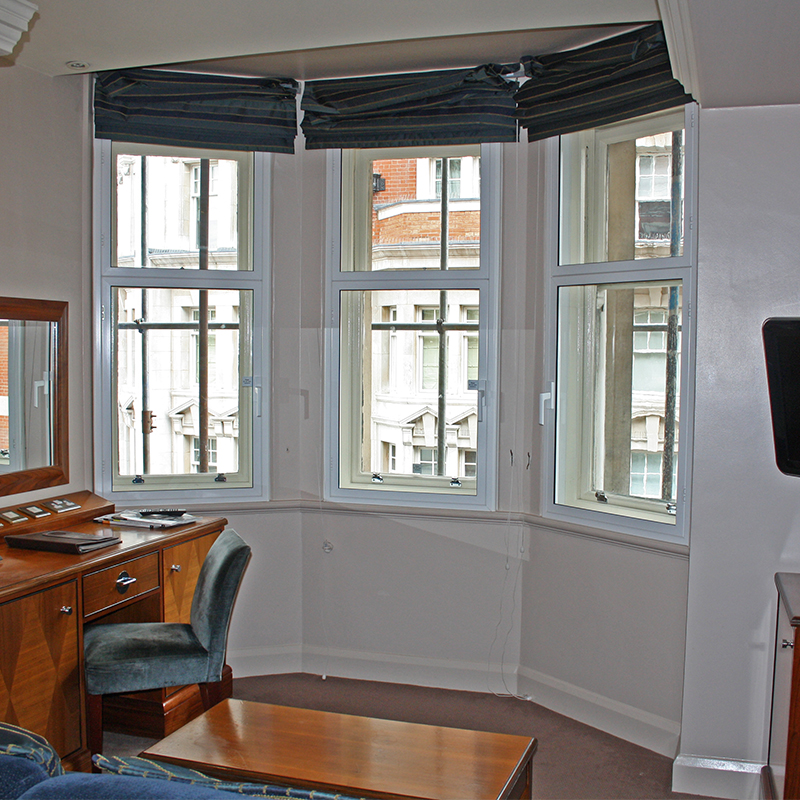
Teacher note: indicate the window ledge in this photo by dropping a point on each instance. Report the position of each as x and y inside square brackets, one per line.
[531, 522]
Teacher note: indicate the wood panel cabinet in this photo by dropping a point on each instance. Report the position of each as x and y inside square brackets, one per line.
[780, 779]
[41, 686]
[181, 566]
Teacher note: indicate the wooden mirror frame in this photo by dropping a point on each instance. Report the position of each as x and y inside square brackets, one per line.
[57, 473]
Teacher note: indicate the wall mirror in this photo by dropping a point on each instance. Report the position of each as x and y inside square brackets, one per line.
[33, 394]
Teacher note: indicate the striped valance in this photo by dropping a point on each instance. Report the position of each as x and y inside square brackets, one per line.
[193, 110]
[619, 78]
[467, 106]
[616, 79]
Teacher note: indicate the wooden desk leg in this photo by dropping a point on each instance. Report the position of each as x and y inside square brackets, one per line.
[94, 724]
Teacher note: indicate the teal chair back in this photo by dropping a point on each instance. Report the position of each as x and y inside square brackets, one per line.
[215, 594]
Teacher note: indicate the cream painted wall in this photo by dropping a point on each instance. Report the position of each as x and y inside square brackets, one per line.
[746, 514]
[44, 225]
[266, 633]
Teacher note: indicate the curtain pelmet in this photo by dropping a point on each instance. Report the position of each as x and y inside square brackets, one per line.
[468, 106]
[192, 110]
[616, 79]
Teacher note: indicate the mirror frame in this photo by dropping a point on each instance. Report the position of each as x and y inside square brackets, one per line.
[57, 473]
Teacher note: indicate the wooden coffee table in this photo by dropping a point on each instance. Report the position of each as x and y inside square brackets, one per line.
[358, 756]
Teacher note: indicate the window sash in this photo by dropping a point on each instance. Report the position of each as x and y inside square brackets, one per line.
[147, 343]
[251, 481]
[627, 516]
[151, 240]
[344, 388]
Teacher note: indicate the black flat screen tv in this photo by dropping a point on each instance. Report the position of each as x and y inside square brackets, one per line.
[782, 350]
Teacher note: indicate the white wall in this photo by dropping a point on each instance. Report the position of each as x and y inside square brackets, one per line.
[44, 225]
[746, 514]
[602, 635]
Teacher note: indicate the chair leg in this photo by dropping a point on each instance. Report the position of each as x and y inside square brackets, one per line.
[94, 723]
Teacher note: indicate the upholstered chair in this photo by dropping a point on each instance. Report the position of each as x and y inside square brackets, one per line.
[138, 656]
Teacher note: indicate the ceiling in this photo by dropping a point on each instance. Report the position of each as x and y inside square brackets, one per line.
[726, 52]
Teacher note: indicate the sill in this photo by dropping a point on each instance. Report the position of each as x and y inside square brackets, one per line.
[632, 529]
[672, 547]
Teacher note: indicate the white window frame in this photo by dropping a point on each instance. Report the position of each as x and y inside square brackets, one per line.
[634, 521]
[485, 278]
[174, 489]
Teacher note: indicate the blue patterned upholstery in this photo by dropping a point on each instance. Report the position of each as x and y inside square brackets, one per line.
[16, 741]
[17, 775]
[149, 768]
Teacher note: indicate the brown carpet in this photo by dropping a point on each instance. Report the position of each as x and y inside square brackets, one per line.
[573, 762]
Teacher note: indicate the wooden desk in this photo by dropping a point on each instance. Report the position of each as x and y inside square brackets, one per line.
[357, 756]
[46, 599]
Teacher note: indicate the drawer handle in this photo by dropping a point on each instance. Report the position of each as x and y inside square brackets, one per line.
[787, 645]
[175, 568]
[124, 581]
[66, 610]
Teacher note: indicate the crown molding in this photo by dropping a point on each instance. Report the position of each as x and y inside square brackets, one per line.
[15, 16]
[680, 43]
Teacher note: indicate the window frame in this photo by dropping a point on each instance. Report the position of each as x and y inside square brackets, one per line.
[172, 489]
[632, 521]
[340, 239]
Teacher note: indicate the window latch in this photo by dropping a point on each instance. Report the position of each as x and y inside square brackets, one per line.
[478, 386]
[546, 401]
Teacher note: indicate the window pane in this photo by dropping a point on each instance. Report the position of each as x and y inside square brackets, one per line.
[622, 190]
[400, 376]
[177, 380]
[180, 210]
[618, 388]
[406, 225]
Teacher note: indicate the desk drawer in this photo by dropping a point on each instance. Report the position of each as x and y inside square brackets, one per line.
[107, 588]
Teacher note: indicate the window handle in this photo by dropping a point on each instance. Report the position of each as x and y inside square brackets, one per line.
[546, 401]
[478, 386]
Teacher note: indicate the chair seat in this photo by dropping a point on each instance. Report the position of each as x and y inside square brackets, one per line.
[131, 657]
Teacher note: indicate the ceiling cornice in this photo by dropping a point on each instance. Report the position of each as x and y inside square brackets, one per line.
[15, 16]
[680, 43]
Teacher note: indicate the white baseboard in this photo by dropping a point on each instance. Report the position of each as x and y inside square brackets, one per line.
[651, 731]
[463, 675]
[717, 777]
[265, 661]
[647, 730]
